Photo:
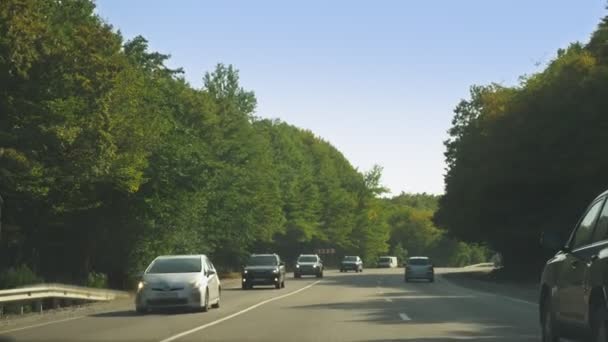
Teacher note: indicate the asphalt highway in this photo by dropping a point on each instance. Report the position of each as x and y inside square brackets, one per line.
[375, 305]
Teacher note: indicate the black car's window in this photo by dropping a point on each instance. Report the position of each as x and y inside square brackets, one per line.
[602, 226]
[262, 260]
[582, 235]
[307, 259]
[177, 265]
[418, 262]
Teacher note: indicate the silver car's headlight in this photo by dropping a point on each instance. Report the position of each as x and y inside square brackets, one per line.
[298, 266]
[315, 266]
[245, 271]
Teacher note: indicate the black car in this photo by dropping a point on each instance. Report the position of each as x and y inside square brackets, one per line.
[263, 269]
[351, 263]
[574, 284]
[308, 264]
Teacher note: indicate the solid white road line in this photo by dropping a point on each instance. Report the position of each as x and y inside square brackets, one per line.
[205, 326]
[404, 317]
[489, 294]
[41, 324]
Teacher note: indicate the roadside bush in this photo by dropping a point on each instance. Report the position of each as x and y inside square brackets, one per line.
[18, 276]
[97, 280]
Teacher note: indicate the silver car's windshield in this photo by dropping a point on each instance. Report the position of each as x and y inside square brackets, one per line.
[177, 265]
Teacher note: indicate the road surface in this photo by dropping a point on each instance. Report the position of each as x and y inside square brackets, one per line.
[375, 305]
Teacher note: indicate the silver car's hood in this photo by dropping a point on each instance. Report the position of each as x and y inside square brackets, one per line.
[171, 279]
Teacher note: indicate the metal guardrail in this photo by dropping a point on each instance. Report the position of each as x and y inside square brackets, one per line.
[36, 294]
[43, 291]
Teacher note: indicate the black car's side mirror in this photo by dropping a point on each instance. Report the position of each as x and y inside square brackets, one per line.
[551, 241]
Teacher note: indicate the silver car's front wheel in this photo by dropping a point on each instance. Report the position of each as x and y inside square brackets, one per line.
[205, 306]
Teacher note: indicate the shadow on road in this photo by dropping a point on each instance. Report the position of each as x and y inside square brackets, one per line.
[265, 288]
[454, 315]
[132, 313]
[124, 313]
[511, 338]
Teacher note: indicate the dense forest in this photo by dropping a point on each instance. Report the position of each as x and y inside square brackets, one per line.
[529, 158]
[109, 158]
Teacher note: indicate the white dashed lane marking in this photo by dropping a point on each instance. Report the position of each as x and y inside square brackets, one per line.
[404, 317]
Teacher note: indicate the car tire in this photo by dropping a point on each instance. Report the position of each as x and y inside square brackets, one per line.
[549, 327]
[244, 286]
[320, 275]
[216, 305]
[277, 285]
[599, 329]
[283, 284]
[205, 306]
[141, 310]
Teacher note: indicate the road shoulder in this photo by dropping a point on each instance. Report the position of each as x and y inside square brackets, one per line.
[468, 278]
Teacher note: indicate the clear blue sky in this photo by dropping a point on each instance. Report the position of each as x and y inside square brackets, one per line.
[378, 79]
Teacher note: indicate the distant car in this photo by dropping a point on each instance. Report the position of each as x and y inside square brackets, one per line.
[573, 298]
[308, 264]
[179, 281]
[351, 263]
[419, 267]
[387, 262]
[263, 269]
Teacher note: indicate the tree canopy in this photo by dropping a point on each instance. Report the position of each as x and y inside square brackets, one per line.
[109, 158]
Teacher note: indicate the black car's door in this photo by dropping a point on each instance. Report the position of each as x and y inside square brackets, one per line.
[570, 282]
[595, 265]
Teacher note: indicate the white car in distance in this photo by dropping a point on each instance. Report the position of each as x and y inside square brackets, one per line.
[179, 281]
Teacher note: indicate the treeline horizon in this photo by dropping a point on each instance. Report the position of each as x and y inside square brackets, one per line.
[529, 158]
[109, 158]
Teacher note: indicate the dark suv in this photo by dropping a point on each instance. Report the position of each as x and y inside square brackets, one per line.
[574, 284]
[351, 263]
[263, 269]
[308, 264]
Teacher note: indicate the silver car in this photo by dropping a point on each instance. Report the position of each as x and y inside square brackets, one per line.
[179, 281]
[419, 268]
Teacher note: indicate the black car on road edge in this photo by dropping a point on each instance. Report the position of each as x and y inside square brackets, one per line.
[574, 284]
[263, 269]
